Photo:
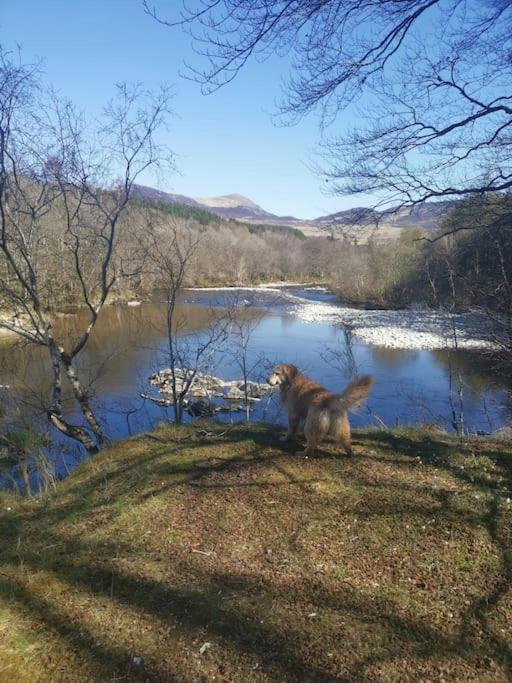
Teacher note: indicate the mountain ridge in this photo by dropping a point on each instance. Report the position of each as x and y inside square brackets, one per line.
[236, 206]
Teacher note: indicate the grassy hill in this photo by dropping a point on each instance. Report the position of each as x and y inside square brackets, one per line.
[217, 555]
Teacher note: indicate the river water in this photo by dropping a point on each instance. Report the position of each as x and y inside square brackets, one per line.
[129, 344]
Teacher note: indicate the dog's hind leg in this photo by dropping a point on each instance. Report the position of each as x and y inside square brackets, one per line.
[345, 435]
[316, 427]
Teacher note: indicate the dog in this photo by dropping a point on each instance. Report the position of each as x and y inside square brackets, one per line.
[324, 413]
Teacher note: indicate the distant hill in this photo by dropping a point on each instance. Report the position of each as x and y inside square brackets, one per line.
[236, 206]
[427, 216]
[231, 201]
[149, 193]
[187, 208]
[359, 215]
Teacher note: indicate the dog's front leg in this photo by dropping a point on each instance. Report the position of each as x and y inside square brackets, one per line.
[309, 450]
[293, 426]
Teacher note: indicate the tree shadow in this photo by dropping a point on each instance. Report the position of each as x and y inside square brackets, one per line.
[199, 604]
[497, 486]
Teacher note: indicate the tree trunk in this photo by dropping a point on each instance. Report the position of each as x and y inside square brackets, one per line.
[82, 398]
[55, 411]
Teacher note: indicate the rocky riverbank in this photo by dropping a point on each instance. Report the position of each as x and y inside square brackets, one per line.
[412, 328]
[405, 329]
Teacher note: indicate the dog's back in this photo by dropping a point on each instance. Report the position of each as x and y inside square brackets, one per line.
[301, 392]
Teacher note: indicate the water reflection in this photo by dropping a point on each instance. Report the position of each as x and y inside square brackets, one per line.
[394, 357]
[477, 370]
[128, 344]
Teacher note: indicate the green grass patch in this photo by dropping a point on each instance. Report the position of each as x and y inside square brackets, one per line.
[196, 554]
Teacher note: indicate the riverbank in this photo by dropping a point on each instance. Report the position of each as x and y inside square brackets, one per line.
[131, 299]
[412, 328]
[213, 553]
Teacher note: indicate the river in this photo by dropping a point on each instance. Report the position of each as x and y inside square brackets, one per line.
[129, 344]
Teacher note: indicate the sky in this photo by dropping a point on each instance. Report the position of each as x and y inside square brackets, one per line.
[224, 143]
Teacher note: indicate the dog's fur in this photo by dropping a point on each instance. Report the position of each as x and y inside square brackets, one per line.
[324, 413]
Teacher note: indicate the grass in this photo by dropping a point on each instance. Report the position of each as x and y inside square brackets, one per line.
[187, 555]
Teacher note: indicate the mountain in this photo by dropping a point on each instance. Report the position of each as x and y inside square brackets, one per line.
[235, 206]
[359, 215]
[229, 206]
[426, 216]
[229, 201]
[146, 193]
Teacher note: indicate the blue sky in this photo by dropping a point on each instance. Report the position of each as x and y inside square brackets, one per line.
[224, 142]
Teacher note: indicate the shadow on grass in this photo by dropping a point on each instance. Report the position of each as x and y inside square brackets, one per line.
[281, 651]
[192, 610]
[498, 487]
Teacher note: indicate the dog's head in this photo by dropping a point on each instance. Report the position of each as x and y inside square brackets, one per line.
[282, 375]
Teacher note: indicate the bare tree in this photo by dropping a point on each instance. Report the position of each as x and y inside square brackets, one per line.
[241, 330]
[431, 79]
[469, 263]
[53, 166]
[171, 255]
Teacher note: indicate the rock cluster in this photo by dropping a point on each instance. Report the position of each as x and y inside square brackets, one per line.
[204, 389]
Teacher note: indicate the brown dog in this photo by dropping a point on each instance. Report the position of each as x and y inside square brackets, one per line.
[324, 413]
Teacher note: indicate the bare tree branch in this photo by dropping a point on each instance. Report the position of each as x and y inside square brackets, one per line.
[51, 167]
[429, 81]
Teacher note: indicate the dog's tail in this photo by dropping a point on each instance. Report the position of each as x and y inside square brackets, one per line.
[353, 396]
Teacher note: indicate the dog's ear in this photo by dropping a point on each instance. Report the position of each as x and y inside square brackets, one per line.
[289, 371]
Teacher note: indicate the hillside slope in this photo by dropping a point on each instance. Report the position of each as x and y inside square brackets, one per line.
[194, 555]
[427, 217]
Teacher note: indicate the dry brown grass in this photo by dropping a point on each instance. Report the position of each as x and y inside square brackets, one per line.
[392, 565]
